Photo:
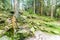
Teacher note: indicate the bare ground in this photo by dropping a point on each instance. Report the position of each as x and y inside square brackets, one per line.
[39, 35]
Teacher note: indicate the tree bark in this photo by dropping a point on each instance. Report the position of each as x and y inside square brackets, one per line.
[15, 16]
[52, 9]
[34, 6]
[41, 7]
[16, 8]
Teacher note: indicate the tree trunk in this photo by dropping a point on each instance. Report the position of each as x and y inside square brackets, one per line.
[34, 6]
[16, 8]
[55, 9]
[14, 17]
[41, 7]
[52, 9]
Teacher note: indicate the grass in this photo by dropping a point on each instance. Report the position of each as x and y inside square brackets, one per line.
[48, 24]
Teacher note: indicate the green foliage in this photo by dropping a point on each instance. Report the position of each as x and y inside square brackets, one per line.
[30, 10]
[34, 22]
[29, 21]
[58, 12]
[43, 23]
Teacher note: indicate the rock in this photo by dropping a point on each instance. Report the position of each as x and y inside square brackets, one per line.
[39, 35]
[4, 38]
[1, 31]
[8, 20]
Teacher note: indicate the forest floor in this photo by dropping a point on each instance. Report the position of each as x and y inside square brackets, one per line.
[48, 30]
[40, 27]
[39, 35]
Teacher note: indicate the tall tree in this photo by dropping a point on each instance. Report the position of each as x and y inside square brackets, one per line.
[34, 6]
[48, 7]
[52, 8]
[41, 6]
[15, 16]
